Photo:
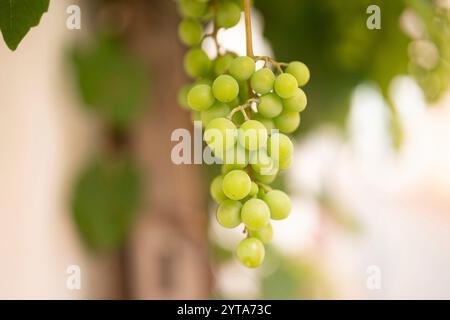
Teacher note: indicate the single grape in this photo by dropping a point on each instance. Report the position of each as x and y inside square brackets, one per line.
[268, 123]
[296, 103]
[255, 214]
[287, 122]
[236, 184]
[300, 71]
[200, 97]
[222, 64]
[250, 252]
[286, 85]
[266, 178]
[262, 81]
[217, 110]
[242, 68]
[197, 63]
[228, 15]
[252, 135]
[182, 96]
[265, 234]
[215, 189]
[229, 214]
[220, 135]
[254, 189]
[279, 204]
[192, 8]
[280, 147]
[270, 105]
[190, 32]
[261, 162]
[225, 88]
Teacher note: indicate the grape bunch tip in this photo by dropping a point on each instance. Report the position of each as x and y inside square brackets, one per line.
[250, 112]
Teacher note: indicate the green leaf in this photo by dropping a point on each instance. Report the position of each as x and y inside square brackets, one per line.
[105, 202]
[17, 17]
[112, 82]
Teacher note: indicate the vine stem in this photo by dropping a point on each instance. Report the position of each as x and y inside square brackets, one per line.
[248, 28]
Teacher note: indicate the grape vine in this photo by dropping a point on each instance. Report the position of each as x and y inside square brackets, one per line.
[247, 114]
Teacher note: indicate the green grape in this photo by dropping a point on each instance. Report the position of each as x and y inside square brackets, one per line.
[254, 189]
[242, 68]
[228, 15]
[190, 32]
[279, 204]
[287, 122]
[296, 103]
[270, 105]
[265, 234]
[197, 63]
[283, 149]
[220, 135]
[215, 189]
[236, 184]
[182, 96]
[229, 214]
[200, 97]
[217, 110]
[261, 162]
[252, 135]
[300, 71]
[285, 85]
[225, 88]
[222, 64]
[268, 123]
[262, 81]
[266, 178]
[250, 252]
[255, 214]
[192, 8]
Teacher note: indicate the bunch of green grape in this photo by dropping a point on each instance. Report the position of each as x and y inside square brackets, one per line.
[246, 114]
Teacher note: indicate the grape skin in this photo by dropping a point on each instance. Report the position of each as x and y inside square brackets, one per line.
[250, 252]
[262, 81]
[252, 135]
[285, 85]
[197, 63]
[265, 234]
[225, 88]
[242, 68]
[279, 204]
[190, 32]
[255, 214]
[215, 189]
[229, 214]
[297, 103]
[200, 97]
[270, 106]
[217, 110]
[236, 185]
[300, 71]
[228, 15]
[287, 122]
[220, 135]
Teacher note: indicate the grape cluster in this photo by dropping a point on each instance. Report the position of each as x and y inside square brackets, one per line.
[246, 114]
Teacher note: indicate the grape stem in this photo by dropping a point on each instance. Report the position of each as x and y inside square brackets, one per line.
[264, 186]
[273, 62]
[242, 108]
[248, 28]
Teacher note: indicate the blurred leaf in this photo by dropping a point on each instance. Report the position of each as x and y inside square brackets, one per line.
[105, 201]
[111, 81]
[17, 17]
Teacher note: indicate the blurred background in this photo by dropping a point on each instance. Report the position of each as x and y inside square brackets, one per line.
[86, 178]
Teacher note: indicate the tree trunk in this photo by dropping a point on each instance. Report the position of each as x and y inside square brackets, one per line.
[167, 255]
